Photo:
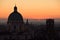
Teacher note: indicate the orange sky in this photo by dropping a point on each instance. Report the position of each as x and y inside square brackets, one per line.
[32, 9]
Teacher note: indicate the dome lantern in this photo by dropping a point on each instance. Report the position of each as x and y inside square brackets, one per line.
[15, 8]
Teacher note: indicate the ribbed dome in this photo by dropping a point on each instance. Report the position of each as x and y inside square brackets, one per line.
[15, 16]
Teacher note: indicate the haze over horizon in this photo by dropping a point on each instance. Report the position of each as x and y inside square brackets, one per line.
[34, 21]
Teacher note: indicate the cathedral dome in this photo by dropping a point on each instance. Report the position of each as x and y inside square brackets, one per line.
[15, 17]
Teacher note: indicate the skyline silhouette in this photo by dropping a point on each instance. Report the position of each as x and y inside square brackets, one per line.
[17, 29]
[30, 20]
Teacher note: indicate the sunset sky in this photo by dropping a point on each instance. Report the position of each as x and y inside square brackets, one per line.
[31, 9]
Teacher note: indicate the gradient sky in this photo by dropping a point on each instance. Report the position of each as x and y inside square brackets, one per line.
[32, 9]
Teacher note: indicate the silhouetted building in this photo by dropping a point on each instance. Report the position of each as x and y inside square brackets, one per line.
[27, 23]
[15, 21]
[50, 23]
[50, 28]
